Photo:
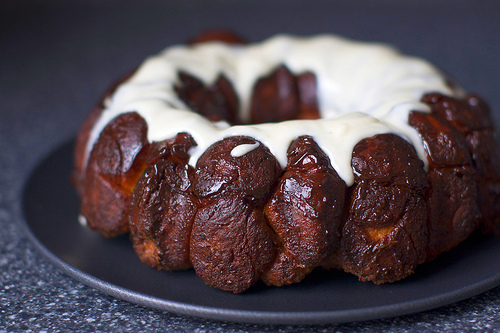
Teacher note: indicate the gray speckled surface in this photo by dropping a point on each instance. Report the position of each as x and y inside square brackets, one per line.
[57, 57]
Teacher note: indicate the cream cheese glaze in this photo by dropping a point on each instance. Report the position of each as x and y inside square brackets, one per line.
[364, 89]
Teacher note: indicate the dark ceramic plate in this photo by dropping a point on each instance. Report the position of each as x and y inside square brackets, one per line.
[51, 208]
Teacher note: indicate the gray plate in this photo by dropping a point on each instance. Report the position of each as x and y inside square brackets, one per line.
[51, 208]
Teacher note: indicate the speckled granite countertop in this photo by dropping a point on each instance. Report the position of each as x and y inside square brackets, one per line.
[58, 56]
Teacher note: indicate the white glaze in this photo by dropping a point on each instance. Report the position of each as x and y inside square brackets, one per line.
[243, 149]
[364, 89]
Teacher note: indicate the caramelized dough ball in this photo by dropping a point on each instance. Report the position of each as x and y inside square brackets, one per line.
[485, 150]
[453, 210]
[163, 207]
[465, 115]
[275, 98]
[471, 117]
[282, 96]
[217, 102]
[307, 88]
[385, 235]
[285, 269]
[114, 166]
[384, 252]
[452, 184]
[253, 174]
[445, 146]
[305, 212]
[231, 243]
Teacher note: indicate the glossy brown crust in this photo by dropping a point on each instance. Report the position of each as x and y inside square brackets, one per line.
[217, 102]
[231, 244]
[253, 174]
[452, 184]
[114, 166]
[467, 115]
[453, 208]
[163, 207]
[471, 117]
[485, 151]
[305, 212]
[307, 86]
[282, 96]
[385, 235]
[444, 145]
